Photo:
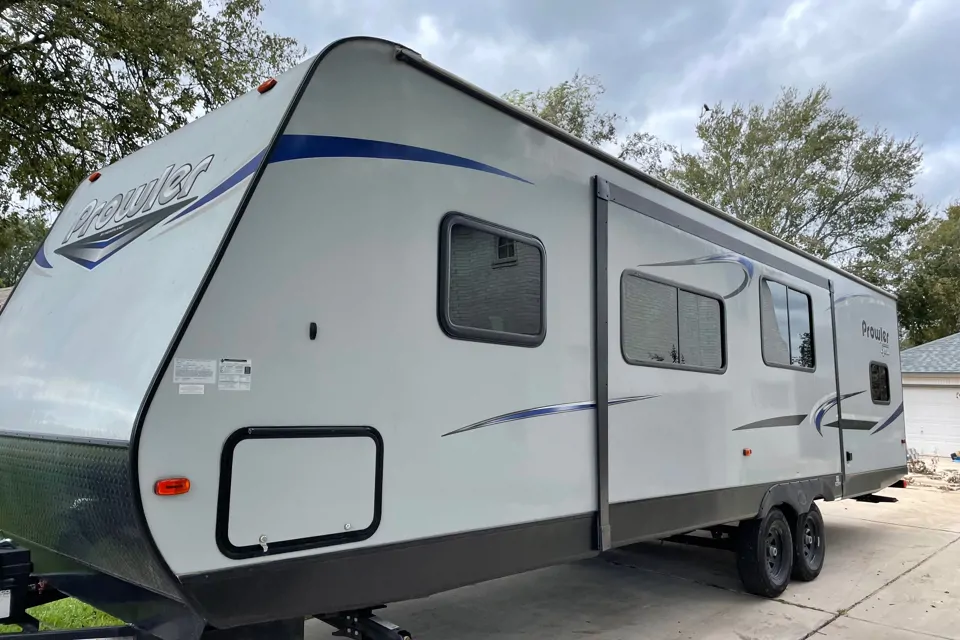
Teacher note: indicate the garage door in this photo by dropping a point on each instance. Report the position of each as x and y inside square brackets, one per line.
[932, 415]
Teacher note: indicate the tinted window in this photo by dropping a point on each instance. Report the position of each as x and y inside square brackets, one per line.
[786, 334]
[649, 325]
[774, 327]
[700, 331]
[879, 383]
[801, 338]
[661, 323]
[494, 284]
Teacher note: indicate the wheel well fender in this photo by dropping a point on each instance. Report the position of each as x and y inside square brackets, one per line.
[795, 497]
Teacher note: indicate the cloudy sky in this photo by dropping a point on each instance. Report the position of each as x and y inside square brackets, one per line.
[895, 63]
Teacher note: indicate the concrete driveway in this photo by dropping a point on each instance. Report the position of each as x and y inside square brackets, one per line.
[892, 573]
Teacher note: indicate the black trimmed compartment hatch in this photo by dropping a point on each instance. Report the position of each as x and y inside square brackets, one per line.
[285, 489]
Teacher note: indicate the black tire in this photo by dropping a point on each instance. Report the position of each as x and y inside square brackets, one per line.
[810, 545]
[765, 554]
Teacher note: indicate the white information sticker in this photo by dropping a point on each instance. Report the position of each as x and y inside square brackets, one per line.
[5, 603]
[235, 374]
[191, 389]
[190, 371]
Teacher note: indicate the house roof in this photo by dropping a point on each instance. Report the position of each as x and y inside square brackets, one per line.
[4, 294]
[938, 356]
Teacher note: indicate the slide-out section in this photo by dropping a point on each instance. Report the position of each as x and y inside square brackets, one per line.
[716, 359]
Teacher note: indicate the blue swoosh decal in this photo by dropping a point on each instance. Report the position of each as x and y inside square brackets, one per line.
[41, 259]
[829, 404]
[543, 411]
[886, 423]
[91, 251]
[236, 178]
[299, 147]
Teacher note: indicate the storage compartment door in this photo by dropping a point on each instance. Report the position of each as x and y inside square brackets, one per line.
[287, 489]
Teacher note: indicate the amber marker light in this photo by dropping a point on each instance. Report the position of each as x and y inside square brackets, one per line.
[267, 84]
[172, 487]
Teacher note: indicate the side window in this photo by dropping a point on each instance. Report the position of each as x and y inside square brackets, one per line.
[786, 326]
[879, 383]
[491, 283]
[664, 325]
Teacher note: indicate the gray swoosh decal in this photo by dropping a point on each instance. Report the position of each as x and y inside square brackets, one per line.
[854, 425]
[729, 258]
[779, 421]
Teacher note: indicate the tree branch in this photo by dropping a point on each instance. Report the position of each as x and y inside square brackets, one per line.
[32, 43]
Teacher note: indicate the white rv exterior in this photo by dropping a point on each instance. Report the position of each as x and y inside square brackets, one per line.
[401, 337]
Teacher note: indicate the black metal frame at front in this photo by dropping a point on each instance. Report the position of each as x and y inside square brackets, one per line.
[90, 633]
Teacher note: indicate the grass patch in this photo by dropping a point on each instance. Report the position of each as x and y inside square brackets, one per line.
[67, 614]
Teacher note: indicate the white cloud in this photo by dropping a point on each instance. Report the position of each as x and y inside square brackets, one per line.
[674, 125]
[938, 176]
[498, 63]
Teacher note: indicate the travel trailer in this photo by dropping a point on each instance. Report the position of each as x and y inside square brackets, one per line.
[369, 333]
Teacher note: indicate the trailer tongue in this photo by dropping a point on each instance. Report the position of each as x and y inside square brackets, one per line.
[21, 590]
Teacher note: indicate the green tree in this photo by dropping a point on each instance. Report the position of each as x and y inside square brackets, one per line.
[85, 82]
[20, 235]
[929, 287]
[806, 351]
[812, 175]
[573, 105]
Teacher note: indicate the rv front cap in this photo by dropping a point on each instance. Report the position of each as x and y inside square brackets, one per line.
[174, 183]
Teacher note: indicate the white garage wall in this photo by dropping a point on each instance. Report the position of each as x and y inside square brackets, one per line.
[932, 413]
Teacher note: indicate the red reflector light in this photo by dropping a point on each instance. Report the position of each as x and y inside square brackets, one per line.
[94, 176]
[747, 452]
[171, 486]
[267, 84]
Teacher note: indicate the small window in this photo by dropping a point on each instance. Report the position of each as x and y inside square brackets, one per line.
[478, 299]
[879, 383]
[664, 325]
[506, 251]
[786, 326]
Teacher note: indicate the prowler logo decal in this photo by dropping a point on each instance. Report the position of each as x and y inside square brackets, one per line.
[878, 334]
[103, 227]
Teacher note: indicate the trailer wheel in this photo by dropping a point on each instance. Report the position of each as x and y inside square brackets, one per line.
[810, 546]
[765, 554]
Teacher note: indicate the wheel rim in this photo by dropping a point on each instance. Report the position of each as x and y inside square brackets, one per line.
[811, 542]
[774, 552]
